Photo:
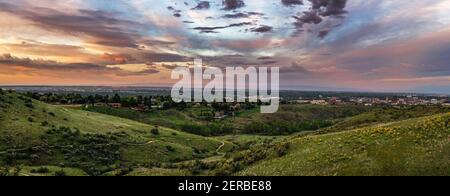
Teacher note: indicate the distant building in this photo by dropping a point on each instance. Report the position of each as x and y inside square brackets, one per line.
[141, 108]
[434, 101]
[302, 101]
[115, 105]
[334, 101]
[319, 102]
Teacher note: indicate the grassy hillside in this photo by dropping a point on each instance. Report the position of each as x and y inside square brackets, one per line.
[384, 115]
[411, 147]
[34, 134]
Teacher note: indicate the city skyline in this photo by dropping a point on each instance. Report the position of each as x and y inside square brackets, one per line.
[386, 46]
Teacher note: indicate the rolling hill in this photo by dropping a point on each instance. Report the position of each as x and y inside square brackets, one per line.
[33, 133]
[418, 146]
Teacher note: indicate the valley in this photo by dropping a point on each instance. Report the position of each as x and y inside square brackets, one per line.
[39, 139]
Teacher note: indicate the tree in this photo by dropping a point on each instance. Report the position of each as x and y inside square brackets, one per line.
[116, 98]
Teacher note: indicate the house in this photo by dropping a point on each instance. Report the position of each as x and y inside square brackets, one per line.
[319, 102]
[434, 101]
[115, 105]
[140, 108]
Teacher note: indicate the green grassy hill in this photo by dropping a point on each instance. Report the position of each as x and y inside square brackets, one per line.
[412, 147]
[33, 134]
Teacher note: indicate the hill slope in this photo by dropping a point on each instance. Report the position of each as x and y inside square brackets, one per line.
[33, 133]
[412, 147]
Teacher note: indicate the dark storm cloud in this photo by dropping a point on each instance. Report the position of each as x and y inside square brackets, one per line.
[202, 5]
[232, 4]
[8, 60]
[152, 57]
[139, 73]
[212, 29]
[238, 60]
[242, 15]
[292, 2]
[323, 33]
[101, 27]
[236, 15]
[262, 29]
[320, 9]
[330, 7]
[176, 13]
[310, 17]
[156, 42]
[265, 58]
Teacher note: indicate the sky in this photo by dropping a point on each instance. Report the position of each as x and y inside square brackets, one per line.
[358, 45]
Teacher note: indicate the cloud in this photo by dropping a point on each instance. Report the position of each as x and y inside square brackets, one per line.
[102, 28]
[40, 65]
[294, 68]
[232, 4]
[118, 58]
[212, 29]
[262, 29]
[202, 5]
[310, 17]
[292, 2]
[320, 9]
[333, 8]
[242, 15]
[9, 60]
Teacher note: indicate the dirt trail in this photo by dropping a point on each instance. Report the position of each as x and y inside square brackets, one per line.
[220, 148]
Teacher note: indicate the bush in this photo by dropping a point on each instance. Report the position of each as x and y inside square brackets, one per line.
[44, 124]
[29, 105]
[282, 149]
[30, 119]
[170, 148]
[41, 170]
[155, 131]
[60, 173]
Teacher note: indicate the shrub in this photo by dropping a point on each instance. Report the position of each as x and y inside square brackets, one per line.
[29, 105]
[60, 173]
[170, 148]
[155, 131]
[44, 124]
[282, 149]
[30, 119]
[41, 170]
